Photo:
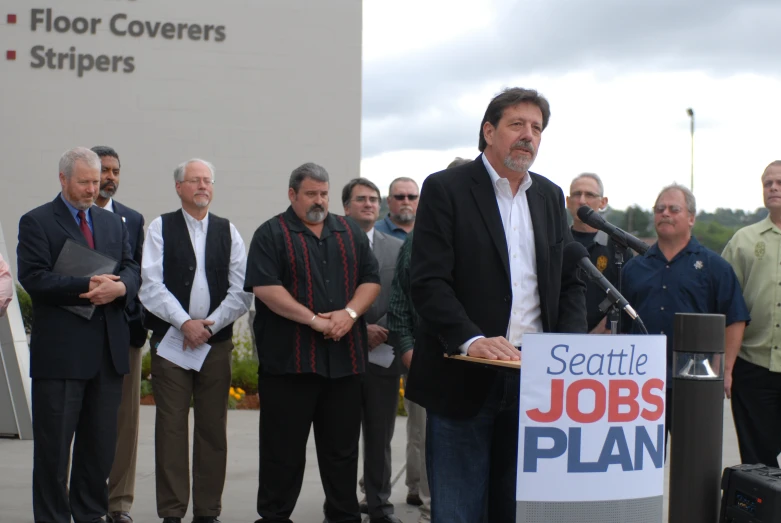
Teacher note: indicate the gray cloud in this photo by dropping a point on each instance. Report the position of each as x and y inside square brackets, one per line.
[720, 37]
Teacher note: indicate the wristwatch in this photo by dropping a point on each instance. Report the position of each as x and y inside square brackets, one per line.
[352, 313]
[209, 329]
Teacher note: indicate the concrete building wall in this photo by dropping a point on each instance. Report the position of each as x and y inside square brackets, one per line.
[282, 87]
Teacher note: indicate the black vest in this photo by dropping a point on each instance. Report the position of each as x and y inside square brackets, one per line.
[179, 267]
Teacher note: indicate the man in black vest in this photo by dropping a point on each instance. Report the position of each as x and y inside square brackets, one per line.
[197, 291]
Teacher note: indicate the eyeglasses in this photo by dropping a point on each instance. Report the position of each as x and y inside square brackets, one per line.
[410, 197]
[587, 194]
[198, 181]
[362, 199]
[674, 209]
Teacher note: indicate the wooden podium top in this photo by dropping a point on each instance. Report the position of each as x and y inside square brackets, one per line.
[483, 361]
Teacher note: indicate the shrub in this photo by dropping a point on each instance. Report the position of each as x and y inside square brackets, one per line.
[26, 307]
[146, 365]
[146, 388]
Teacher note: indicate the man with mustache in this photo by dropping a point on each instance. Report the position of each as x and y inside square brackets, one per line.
[314, 276]
[752, 375]
[122, 480]
[677, 274]
[402, 206]
[486, 268]
[192, 274]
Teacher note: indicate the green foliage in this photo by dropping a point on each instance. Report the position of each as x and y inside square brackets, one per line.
[146, 365]
[26, 306]
[713, 235]
[245, 365]
[245, 374]
[146, 388]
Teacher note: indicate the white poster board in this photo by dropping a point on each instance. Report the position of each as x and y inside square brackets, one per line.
[591, 418]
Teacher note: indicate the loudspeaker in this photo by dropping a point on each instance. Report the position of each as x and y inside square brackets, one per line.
[751, 494]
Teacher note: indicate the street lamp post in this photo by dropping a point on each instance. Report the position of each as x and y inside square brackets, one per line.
[690, 112]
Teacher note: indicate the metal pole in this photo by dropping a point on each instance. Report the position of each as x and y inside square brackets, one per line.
[690, 112]
[697, 418]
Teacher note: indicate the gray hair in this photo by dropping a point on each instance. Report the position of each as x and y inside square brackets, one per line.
[400, 179]
[307, 170]
[691, 202]
[69, 159]
[457, 162]
[179, 171]
[594, 177]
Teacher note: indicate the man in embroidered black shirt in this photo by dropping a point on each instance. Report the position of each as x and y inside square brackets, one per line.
[313, 275]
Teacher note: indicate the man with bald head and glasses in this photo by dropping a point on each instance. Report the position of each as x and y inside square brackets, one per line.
[678, 274]
[402, 207]
[587, 189]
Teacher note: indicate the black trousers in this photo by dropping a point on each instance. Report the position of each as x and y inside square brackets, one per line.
[62, 408]
[289, 406]
[756, 410]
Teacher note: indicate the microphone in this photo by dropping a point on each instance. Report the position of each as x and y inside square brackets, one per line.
[575, 252]
[587, 215]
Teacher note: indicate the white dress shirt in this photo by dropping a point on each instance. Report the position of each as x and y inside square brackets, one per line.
[109, 205]
[158, 300]
[370, 235]
[518, 231]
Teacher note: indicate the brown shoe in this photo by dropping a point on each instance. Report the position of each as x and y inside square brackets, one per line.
[414, 500]
[119, 517]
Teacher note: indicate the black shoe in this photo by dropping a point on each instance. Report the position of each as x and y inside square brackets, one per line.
[364, 507]
[206, 519]
[414, 500]
[387, 518]
[172, 520]
[119, 517]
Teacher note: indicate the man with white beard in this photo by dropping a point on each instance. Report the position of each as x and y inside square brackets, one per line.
[402, 207]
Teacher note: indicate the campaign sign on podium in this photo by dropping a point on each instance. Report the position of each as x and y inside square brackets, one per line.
[591, 418]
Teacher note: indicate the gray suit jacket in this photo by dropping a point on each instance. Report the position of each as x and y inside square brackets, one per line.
[386, 250]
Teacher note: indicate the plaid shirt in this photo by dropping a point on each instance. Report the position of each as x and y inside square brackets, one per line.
[402, 318]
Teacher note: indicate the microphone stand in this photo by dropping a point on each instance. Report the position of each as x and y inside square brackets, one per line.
[610, 303]
[614, 314]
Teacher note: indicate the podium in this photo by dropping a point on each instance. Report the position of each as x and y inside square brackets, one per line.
[591, 429]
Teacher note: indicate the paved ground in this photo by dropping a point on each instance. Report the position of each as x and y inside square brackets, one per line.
[241, 484]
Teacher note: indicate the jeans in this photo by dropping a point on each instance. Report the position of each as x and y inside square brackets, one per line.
[471, 463]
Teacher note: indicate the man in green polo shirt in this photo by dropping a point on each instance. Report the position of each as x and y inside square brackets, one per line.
[752, 378]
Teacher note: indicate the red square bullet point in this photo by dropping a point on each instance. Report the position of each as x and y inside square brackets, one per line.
[11, 19]
[10, 55]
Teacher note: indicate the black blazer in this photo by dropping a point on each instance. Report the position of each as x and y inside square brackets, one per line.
[134, 222]
[460, 280]
[64, 345]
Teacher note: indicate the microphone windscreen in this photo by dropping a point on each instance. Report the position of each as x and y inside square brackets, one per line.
[584, 212]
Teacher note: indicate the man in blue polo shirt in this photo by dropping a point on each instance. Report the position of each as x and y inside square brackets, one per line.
[402, 207]
[677, 274]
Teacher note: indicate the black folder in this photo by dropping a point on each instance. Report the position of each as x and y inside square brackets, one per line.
[79, 260]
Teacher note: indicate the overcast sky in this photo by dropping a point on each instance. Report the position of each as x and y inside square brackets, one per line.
[619, 76]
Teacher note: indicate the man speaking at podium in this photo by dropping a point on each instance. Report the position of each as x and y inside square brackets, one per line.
[486, 269]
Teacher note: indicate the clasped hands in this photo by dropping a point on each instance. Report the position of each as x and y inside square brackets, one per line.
[334, 325]
[104, 288]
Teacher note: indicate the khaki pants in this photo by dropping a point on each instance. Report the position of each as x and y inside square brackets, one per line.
[122, 480]
[417, 480]
[173, 388]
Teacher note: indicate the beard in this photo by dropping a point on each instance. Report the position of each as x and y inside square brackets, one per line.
[107, 190]
[404, 216]
[315, 214]
[523, 163]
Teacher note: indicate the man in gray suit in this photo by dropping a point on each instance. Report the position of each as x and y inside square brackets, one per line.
[361, 199]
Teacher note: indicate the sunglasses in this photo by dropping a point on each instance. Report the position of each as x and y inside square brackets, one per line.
[401, 197]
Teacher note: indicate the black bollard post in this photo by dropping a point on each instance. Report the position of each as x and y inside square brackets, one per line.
[697, 418]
